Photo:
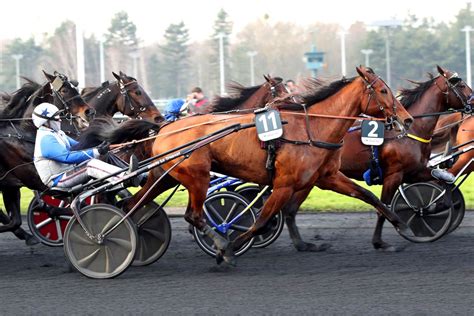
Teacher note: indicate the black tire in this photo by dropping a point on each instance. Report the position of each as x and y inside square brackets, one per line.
[48, 230]
[154, 234]
[458, 209]
[216, 209]
[416, 207]
[276, 224]
[106, 259]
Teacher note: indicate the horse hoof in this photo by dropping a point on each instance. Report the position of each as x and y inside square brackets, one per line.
[230, 260]
[309, 247]
[385, 247]
[31, 241]
[219, 257]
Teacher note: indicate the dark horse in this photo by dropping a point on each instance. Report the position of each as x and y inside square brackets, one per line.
[17, 140]
[301, 162]
[405, 159]
[125, 96]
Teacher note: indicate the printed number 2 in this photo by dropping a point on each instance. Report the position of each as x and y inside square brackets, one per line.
[264, 119]
[373, 133]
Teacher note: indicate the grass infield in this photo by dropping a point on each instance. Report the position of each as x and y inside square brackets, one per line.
[317, 201]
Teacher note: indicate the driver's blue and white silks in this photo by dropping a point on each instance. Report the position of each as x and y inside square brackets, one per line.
[53, 155]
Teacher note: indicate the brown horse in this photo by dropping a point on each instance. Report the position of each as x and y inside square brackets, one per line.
[465, 134]
[300, 162]
[17, 138]
[125, 96]
[404, 160]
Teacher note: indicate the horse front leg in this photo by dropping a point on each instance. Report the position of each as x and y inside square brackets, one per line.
[290, 211]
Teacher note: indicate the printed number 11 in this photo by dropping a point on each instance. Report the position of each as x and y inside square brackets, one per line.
[264, 119]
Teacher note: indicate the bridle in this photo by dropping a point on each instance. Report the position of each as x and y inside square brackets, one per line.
[129, 101]
[390, 120]
[451, 86]
[56, 85]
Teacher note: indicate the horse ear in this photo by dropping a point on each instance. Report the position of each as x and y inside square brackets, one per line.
[266, 78]
[48, 76]
[116, 76]
[122, 74]
[441, 71]
[361, 73]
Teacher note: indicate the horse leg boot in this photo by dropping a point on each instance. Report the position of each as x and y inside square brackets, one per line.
[290, 211]
[341, 184]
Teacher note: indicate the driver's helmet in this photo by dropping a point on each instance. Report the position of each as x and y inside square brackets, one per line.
[45, 112]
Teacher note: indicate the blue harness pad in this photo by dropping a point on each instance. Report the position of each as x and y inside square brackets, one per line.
[374, 175]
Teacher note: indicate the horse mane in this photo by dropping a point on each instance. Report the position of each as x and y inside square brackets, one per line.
[17, 102]
[410, 96]
[317, 90]
[238, 94]
[93, 135]
[106, 129]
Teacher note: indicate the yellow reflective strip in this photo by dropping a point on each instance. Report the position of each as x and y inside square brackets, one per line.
[419, 138]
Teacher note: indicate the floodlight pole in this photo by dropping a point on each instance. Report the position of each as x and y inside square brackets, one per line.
[343, 52]
[221, 61]
[251, 55]
[367, 53]
[468, 29]
[17, 58]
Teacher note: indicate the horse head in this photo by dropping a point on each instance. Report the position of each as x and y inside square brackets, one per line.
[134, 101]
[380, 99]
[457, 92]
[67, 97]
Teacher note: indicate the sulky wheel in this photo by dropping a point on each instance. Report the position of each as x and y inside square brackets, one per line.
[104, 257]
[276, 223]
[222, 212]
[459, 207]
[421, 206]
[47, 228]
[154, 233]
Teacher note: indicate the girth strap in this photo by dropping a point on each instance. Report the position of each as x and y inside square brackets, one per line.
[315, 143]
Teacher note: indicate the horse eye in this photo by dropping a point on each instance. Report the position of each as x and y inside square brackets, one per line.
[384, 91]
[138, 92]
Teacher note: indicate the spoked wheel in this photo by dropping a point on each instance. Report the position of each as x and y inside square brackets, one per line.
[49, 230]
[276, 223]
[105, 257]
[421, 206]
[154, 233]
[223, 214]
[459, 208]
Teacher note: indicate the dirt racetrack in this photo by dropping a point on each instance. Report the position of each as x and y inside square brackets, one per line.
[350, 278]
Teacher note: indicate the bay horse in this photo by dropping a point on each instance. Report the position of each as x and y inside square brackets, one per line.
[404, 159]
[125, 96]
[300, 162]
[17, 138]
[464, 134]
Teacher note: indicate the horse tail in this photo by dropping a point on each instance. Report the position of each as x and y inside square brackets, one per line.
[130, 130]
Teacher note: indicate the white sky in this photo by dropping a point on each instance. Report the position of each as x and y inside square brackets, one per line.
[24, 18]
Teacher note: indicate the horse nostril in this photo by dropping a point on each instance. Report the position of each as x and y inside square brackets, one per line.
[408, 122]
[90, 112]
[158, 119]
